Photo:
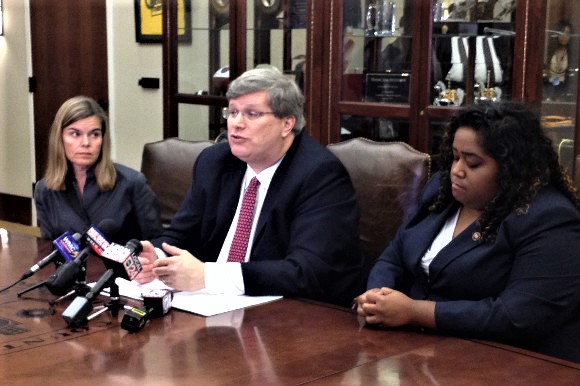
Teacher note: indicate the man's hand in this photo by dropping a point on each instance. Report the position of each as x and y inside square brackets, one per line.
[182, 271]
[146, 258]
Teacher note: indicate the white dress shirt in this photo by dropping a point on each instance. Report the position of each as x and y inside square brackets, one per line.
[443, 238]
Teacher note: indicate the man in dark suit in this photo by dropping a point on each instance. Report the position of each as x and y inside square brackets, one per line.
[303, 240]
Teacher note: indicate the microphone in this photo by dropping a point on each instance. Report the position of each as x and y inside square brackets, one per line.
[123, 259]
[120, 261]
[77, 312]
[157, 302]
[66, 245]
[65, 276]
[96, 238]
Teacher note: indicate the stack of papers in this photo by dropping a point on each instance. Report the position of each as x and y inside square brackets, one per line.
[197, 302]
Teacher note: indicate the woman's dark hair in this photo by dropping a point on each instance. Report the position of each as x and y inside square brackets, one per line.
[510, 133]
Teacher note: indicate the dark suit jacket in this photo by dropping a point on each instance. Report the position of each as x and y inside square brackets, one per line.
[131, 205]
[523, 289]
[306, 241]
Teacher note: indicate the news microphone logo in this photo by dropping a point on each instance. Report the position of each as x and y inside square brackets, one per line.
[126, 256]
[97, 240]
[67, 246]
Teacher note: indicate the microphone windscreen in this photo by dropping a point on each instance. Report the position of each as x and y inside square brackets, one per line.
[65, 276]
[108, 227]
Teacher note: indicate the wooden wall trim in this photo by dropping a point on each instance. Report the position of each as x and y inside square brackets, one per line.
[16, 209]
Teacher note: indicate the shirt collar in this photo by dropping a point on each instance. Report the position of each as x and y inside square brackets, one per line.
[265, 176]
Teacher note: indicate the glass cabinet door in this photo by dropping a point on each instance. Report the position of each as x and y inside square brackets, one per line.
[203, 62]
[377, 46]
[202, 67]
[376, 67]
[473, 50]
[560, 76]
[276, 35]
[211, 55]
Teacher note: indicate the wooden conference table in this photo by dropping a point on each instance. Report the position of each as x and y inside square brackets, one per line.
[286, 342]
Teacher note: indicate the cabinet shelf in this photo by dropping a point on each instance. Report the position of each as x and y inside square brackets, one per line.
[338, 55]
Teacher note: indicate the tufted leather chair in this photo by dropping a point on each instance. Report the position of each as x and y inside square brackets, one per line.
[168, 166]
[388, 178]
[566, 155]
[567, 159]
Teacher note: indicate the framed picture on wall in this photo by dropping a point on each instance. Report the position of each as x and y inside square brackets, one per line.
[149, 23]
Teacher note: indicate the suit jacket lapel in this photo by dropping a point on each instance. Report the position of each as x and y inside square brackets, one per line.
[427, 230]
[275, 190]
[231, 182]
[455, 249]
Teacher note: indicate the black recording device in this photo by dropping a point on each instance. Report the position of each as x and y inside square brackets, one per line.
[156, 303]
[134, 319]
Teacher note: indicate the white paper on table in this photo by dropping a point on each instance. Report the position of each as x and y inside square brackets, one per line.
[197, 302]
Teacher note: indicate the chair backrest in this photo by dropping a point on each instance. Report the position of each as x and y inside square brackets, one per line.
[168, 166]
[388, 178]
[577, 172]
[566, 155]
[567, 159]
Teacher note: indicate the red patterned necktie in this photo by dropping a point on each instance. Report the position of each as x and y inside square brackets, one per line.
[240, 241]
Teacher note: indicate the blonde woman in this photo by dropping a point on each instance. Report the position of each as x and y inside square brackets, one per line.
[83, 186]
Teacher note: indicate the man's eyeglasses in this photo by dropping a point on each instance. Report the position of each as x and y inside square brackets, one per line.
[250, 115]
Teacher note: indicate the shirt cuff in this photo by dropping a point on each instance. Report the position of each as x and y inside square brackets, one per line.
[224, 278]
[160, 253]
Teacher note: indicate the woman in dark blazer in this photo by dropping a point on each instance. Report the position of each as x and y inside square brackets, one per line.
[83, 186]
[493, 251]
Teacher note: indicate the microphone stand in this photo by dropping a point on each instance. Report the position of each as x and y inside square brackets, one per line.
[32, 287]
[64, 276]
[114, 305]
[80, 288]
[79, 311]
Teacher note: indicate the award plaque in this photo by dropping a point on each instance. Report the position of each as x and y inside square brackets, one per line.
[387, 87]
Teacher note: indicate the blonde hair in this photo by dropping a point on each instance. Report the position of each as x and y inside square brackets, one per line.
[71, 111]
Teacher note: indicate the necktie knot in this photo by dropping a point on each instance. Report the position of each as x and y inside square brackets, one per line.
[253, 186]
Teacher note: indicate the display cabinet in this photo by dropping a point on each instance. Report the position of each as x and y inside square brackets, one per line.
[385, 70]
[559, 102]
[227, 38]
[404, 81]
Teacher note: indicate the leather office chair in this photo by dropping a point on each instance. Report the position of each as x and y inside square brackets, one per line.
[566, 155]
[388, 178]
[168, 166]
